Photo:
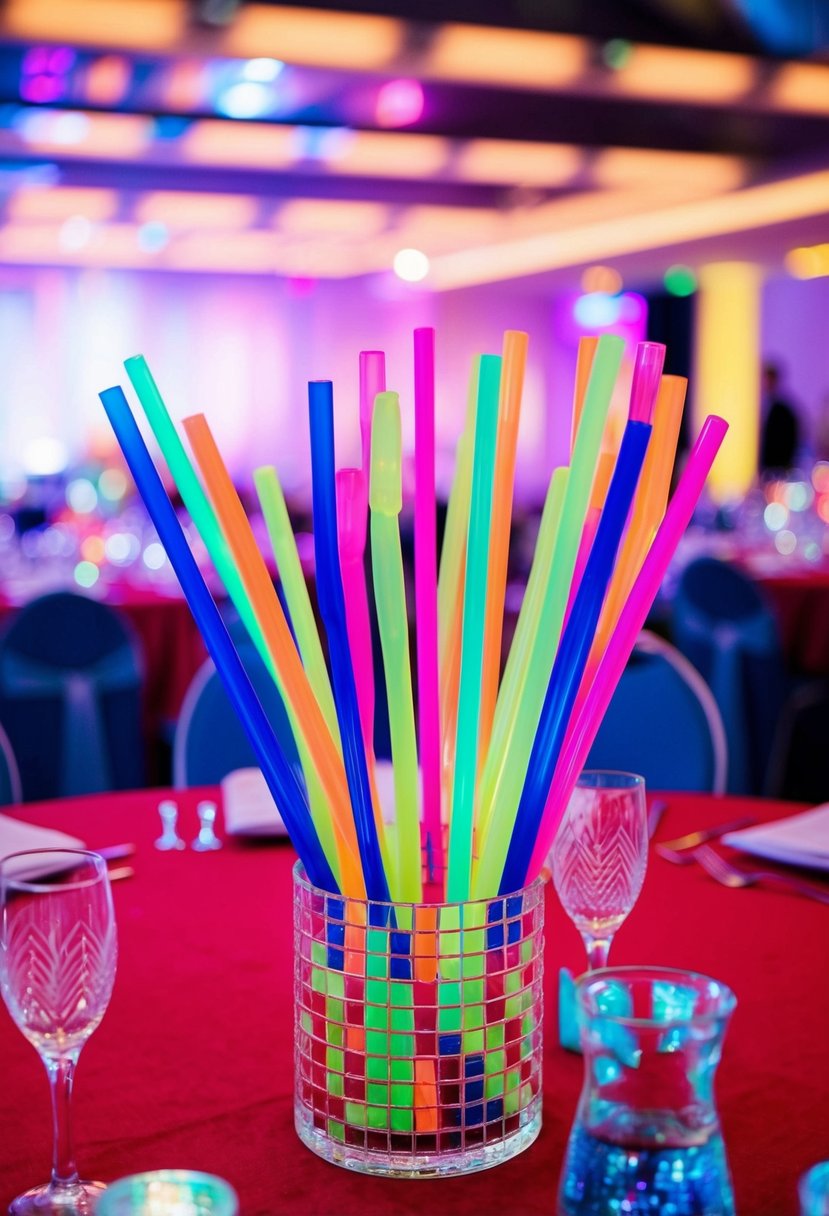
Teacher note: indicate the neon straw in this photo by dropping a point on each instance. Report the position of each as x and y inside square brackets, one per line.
[386, 500]
[516, 718]
[584, 728]
[283, 543]
[332, 607]
[647, 371]
[372, 382]
[584, 364]
[453, 551]
[527, 623]
[648, 506]
[204, 517]
[298, 693]
[352, 510]
[509, 413]
[282, 782]
[474, 603]
[570, 662]
[426, 605]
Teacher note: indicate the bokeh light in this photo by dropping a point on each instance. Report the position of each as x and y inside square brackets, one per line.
[86, 574]
[680, 281]
[775, 516]
[81, 495]
[399, 103]
[411, 265]
[785, 542]
[602, 279]
[154, 555]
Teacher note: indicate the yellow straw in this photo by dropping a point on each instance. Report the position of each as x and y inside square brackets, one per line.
[294, 682]
[283, 543]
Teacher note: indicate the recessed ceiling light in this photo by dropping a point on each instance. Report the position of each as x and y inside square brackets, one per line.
[411, 265]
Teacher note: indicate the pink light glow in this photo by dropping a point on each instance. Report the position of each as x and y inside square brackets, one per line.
[399, 103]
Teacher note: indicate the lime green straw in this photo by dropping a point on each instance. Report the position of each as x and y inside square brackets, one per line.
[474, 609]
[526, 628]
[204, 517]
[386, 501]
[457, 517]
[283, 543]
[515, 725]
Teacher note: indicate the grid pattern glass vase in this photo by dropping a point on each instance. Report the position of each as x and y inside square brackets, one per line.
[417, 1030]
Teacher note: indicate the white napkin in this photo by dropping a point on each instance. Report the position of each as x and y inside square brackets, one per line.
[800, 840]
[251, 811]
[19, 837]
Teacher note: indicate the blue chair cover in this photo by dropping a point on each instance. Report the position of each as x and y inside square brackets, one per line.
[723, 625]
[70, 681]
[210, 741]
[658, 725]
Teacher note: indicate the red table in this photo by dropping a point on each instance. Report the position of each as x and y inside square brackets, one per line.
[192, 1064]
[801, 604]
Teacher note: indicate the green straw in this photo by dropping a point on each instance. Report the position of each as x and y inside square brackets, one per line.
[474, 609]
[515, 725]
[526, 628]
[457, 517]
[204, 517]
[386, 501]
[283, 543]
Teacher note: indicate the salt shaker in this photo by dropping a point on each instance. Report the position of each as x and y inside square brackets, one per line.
[207, 838]
[169, 838]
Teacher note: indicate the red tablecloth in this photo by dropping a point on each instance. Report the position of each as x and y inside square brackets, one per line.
[801, 603]
[192, 1065]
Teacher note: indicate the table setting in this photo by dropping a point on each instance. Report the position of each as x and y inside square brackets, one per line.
[374, 988]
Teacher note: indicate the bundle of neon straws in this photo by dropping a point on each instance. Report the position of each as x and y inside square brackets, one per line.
[495, 758]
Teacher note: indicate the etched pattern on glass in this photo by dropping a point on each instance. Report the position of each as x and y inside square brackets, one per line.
[57, 982]
[599, 859]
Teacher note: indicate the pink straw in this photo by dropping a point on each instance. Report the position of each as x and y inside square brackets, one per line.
[426, 597]
[352, 507]
[372, 382]
[587, 719]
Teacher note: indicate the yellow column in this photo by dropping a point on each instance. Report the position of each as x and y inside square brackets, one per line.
[727, 369]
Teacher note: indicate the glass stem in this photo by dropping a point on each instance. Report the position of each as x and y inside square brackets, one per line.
[597, 949]
[61, 1071]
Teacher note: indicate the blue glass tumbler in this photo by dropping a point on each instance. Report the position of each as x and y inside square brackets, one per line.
[647, 1136]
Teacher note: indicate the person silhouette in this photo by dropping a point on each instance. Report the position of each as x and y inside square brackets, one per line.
[781, 430]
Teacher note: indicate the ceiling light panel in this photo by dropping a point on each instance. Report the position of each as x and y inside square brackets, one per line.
[663, 72]
[324, 217]
[351, 41]
[521, 59]
[381, 154]
[61, 202]
[513, 162]
[802, 87]
[145, 25]
[188, 209]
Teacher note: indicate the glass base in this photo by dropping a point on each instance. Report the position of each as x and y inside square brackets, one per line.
[442, 1164]
[72, 1199]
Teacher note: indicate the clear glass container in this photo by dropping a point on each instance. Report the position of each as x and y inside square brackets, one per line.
[647, 1136]
[169, 1193]
[417, 1030]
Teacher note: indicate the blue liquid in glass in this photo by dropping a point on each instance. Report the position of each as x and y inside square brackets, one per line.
[605, 1179]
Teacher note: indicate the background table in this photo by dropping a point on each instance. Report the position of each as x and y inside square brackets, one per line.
[801, 603]
[192, 1064]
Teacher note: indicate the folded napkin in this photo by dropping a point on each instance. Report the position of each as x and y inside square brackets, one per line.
[19, 837]
[800, 840]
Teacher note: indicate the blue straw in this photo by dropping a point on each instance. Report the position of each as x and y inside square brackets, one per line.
[282, 782]
[332, 609]
[572, 656]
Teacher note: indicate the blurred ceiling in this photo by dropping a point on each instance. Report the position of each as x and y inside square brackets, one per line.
[527, 138]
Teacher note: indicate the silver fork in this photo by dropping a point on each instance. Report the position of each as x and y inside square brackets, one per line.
[731, 876]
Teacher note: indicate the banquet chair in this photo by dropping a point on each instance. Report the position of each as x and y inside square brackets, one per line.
[663, 722]
[70, 697]
[209, 741]
[10, 791]
[723, 625]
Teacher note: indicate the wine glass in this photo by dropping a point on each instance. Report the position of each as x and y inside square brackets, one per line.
[57, 967]
[600, 855]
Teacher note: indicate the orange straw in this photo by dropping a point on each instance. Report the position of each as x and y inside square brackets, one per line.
[648, 506]
[584, 362]
[509, 413]
[268, 611]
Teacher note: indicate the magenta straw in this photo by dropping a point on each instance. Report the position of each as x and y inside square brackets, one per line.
[426, 593]
[584, 727]
[372, 382]
[352, 507]
[647, 371]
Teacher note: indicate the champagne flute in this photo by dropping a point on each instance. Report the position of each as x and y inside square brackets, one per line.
[57, 967]
[600, 855]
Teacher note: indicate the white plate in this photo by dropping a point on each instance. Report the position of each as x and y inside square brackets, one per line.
[799, 840]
